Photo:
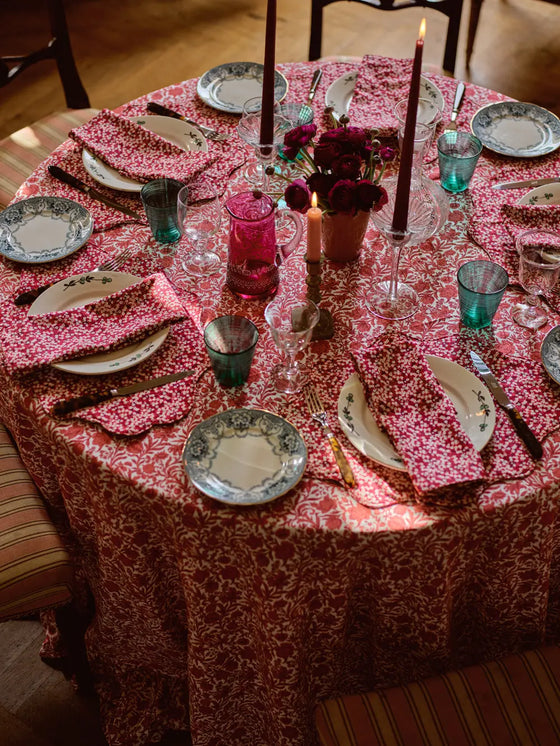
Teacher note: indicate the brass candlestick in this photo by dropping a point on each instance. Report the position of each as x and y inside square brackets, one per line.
[324, 329]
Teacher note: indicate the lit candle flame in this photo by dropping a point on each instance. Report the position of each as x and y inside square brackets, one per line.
[314, 199]
[422, 31]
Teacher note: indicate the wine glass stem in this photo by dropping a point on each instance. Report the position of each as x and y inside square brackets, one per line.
[396, 248]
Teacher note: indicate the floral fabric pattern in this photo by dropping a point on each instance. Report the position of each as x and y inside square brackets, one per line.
[232, 622]
[410, 404]
[29, 342]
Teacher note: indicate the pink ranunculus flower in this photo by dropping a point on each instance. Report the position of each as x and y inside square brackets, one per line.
[342, 196]
[298, 196]
[343, 167]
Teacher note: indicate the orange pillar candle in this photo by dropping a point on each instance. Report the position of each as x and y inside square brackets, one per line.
[314, 218]
[402, 196]
[267, 104]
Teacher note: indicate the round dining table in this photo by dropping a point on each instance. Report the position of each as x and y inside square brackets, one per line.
[234, 621]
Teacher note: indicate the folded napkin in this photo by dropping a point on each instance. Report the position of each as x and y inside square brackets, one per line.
[410, 405]
[381, 83]
[135, 151]
[496, 220]
[31, 342]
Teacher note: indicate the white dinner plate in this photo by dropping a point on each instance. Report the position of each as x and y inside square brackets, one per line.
[87, 288]
[470, 397]
[546, 194]
[517, 129]
[339, 93]
[227, 87]
[244, 456]
[43, 229]
[176, 131]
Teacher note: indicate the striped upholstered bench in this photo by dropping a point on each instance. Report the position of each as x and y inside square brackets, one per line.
[24, 150]
[35, 568]
[514, 701]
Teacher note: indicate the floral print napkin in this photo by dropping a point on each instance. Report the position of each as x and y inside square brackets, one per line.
[381, 83]
[32, 342]
[411, 406]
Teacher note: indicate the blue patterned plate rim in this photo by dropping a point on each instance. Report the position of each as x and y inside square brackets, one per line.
[244, 456]
[239, 73]
[550, 353]
[43, 229]
[488, 125]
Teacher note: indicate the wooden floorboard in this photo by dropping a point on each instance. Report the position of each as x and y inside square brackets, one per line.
[130, 47]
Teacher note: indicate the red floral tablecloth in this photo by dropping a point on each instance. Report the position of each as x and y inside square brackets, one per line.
[236, 622]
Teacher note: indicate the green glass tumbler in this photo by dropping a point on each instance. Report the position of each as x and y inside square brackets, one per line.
[159, 198]
[482, 284]
[230, 342]
[458, 154]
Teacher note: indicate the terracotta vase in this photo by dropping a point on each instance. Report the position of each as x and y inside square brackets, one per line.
[343, 235]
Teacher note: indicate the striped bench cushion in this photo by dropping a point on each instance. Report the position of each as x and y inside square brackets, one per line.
[24, 150]
[513, 701]
[35, 568]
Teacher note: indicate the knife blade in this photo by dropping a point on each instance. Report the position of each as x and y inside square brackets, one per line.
[80, 402]
[58, 173]
[522, 428]
[529, 183]
[156, 108]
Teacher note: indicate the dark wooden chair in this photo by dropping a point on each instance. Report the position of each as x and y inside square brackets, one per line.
[451, 8]
[58, 49]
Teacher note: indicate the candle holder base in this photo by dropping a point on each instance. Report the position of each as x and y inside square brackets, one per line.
[324, 329]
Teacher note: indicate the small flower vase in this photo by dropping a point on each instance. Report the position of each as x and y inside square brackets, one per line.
[343, 235]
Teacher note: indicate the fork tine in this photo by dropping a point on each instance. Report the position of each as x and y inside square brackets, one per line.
[115, 262]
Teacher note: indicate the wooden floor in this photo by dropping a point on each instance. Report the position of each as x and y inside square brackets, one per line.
[126, 48]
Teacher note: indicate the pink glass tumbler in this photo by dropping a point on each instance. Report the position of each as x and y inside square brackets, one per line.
[254, 255]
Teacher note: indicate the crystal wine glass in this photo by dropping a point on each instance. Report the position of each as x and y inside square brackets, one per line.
[291, 322]
[539, 270]
[199, 221]
[249, 130]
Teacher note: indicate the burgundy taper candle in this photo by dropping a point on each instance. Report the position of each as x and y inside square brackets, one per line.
[402, 196]
[267, 105]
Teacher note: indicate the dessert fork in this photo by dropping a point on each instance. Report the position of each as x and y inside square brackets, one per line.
[318, 413]
[111, 265]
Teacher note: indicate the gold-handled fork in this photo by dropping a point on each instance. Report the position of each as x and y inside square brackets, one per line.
[317, 411]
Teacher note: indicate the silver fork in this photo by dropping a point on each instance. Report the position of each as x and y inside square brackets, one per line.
[317, 412]
[109, 266]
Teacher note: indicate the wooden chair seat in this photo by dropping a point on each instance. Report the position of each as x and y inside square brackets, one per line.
[513, 701]
[24, 150]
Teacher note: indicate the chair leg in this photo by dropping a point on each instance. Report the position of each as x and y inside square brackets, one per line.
[74, 91]
[315, 39]
[476, 5]
[450, 52]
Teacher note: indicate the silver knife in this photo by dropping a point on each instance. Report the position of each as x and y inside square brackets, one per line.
[530, 183]
[73, 181]
[79, 402]
[523, 430]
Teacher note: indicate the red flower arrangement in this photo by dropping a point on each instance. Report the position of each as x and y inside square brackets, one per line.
[342, 170]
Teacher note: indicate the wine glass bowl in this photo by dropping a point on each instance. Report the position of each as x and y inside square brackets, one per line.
[291, 322]
[249, 130]
[539, 270]
[199, 221]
